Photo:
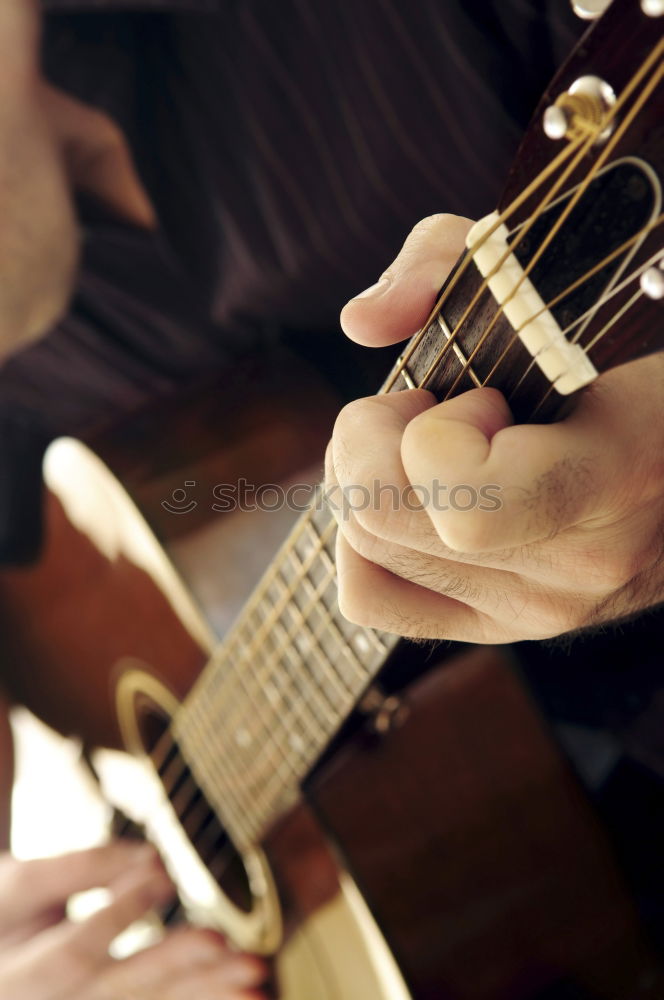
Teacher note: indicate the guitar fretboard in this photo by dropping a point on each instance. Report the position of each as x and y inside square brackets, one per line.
[280, 686]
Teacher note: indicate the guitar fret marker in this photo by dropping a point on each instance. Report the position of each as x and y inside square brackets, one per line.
[361, 643]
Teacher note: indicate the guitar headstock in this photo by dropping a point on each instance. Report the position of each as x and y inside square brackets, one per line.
[611, 245]
[566, 278]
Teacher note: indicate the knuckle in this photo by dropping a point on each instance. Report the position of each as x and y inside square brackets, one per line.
[108, 131]
[351, 417]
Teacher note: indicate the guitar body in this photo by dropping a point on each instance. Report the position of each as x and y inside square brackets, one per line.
[451, 856]
[442, 848]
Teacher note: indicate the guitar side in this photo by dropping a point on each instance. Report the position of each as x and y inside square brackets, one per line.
[453, 855]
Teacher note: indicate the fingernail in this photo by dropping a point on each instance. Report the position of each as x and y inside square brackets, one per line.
[379, 288]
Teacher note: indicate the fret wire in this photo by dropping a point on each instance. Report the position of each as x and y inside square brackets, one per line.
[528, 191]
[290, 711]
[277, 761]
[179, 756]
[305, 524]
[210, 677]
[253, 766]
[215, 776]
[515, 204]
[218, 779]
[484, 285]
[249, 650]
[342, 645]
[323, 731]
[259, 677]
[316, 648]
[367, 676]
[466, 365]
[250, 778]
[331, 623]
[286, 645]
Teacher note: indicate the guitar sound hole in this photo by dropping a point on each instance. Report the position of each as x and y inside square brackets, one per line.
[199, 821]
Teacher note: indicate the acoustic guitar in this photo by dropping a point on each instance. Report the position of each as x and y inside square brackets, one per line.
[386, 822]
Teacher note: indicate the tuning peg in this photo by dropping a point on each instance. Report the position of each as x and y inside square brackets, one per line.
[589, 10]
[582, 107]
[652, 282]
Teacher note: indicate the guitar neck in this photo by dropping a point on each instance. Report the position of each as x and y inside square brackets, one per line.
[532, 309]
[293, 668]
[280, 686]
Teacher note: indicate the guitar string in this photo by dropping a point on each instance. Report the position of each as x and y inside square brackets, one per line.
[396, 376]
[282, 602]
[605, 329]
[574, 200]
[614, 291]
[515, 339]
[232, 749]
[280, 750]
[484, 284]
[259, 596]
[327, 622]
[589, 313]
[576, 284]
[288, 591]
[551, 168]
[631, 277]
[606, 121]
[238, 671]
[267, 582]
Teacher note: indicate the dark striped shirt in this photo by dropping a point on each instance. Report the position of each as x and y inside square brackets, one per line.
[289, 147]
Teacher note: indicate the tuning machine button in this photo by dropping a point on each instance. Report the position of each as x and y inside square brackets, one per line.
[582, 108]
[652, 8]
[652, 282]
[590, 10]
